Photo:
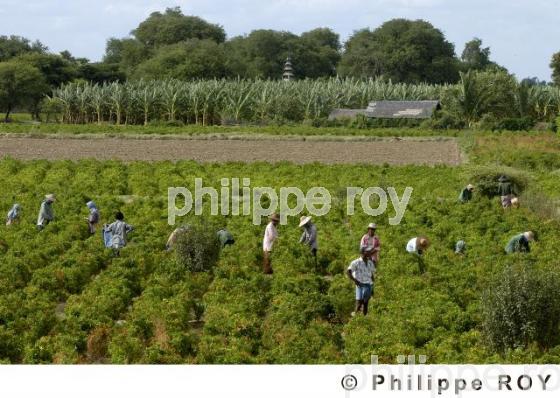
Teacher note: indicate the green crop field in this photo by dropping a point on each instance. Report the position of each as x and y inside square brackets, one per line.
[66, 299]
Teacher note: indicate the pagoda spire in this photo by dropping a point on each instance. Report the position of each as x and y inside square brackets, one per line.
[288, 70]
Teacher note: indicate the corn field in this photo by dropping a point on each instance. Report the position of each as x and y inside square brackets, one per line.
[211, 102]
[223, 101]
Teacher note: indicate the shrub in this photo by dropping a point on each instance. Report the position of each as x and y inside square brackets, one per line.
[522, 307]
[443, 120]
[516, 124]
[198, 248]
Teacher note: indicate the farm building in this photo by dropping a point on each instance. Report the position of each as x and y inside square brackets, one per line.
[391, 110]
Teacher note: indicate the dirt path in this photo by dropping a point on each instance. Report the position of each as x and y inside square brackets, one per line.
[391, 151]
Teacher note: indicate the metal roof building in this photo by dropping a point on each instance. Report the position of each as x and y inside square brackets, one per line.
[391, 110]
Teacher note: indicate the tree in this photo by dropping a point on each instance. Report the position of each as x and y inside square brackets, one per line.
[555, 65]
[13, 46]
[319, 53]
[193, 59]
[173, 27]
[128, 53]
[21, 84]
[475, 56]
[403, 51]
[55, 70]
[262, 54]
[482, 93]
[100, 72]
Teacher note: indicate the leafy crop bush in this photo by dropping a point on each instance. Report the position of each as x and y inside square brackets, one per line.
[65, 299]
[198, 248]
[522, 306]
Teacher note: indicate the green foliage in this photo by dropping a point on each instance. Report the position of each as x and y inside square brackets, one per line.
[400, 50]
[191, 59]
[21, 84]
[173, 27]
[13, 46]
[485, 178]
[65, 299]
[198, 248]
[522, 307]
[478, 94]
[555, 66]
[516, 124]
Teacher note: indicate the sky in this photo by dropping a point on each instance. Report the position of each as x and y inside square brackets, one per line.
[522, 34]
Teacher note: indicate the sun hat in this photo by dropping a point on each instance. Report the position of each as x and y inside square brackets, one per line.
[515, 202]
[50, 197]
[372, 226]
[424, 242]
[529, 235]
[470, 187]
[274, 217]
[304, 220]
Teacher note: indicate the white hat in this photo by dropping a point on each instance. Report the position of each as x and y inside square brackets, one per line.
[515, 202]
[372, 226]
[304, 220]
[470, 187]
[50, 197]
[529, 235]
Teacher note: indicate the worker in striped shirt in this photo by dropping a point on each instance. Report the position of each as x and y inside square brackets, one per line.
[370, 239]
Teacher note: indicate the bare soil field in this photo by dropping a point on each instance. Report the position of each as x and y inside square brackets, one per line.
[391, 151]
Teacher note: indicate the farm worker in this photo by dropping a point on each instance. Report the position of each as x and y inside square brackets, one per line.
[460, 247]
[46, 212]
[370, 239]
[225, 237]
[93, 218]
[520, 243]
[506, 191]
[119, 231]
[466, 194]
[174, 236]
[417, 245]
[309, 234]
[13, 214]
[362, 272]
[270, 235]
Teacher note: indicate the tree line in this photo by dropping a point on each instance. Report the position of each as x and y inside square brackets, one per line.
[171, 45]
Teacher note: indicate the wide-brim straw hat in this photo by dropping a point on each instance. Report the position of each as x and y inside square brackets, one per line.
[470, 187]
[50, 197]
[274, 217]
[424, 242]
[529, 235]
[372, 226]
[304, 220]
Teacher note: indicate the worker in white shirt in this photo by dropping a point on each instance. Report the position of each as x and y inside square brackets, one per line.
[270, 235]
[362, 272]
